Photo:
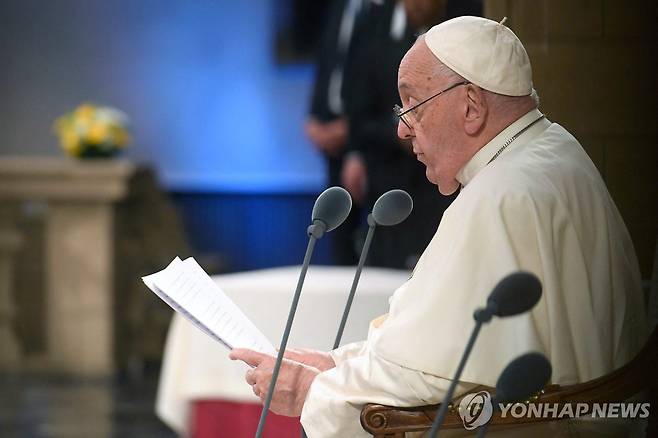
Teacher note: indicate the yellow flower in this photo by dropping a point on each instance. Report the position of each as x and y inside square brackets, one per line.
[92, 126]
[84, 113]
[98, 133]
[70, 142]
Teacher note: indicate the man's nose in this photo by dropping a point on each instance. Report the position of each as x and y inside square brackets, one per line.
[403, 130]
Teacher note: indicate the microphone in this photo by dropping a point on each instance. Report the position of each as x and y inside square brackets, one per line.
[513, 295]
[331, 208]
[521, 379]
[391, 208]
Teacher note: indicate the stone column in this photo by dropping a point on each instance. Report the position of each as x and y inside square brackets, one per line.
[79, 295]
[10, 240]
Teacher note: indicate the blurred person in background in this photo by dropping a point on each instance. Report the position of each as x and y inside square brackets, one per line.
[377, 160]
[327, 125]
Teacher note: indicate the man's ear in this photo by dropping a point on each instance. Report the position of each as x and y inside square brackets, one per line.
[476, 110]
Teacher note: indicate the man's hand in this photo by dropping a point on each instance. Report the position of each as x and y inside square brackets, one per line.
[313, 358]
[291, 386]
[328, 137]
[314, 131]
[354, 177]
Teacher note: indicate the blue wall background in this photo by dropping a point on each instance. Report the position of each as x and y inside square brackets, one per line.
[251, 231]
[211, 109]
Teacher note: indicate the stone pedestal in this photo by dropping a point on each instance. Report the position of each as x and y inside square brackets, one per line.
[81, 198]
[79, 251]
[9, 347]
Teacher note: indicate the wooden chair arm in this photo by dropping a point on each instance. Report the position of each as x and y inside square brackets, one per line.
[387, 421]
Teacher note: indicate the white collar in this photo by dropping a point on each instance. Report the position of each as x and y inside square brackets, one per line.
[489, 150]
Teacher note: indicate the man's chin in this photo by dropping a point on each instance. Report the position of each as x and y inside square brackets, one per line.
[448, 188]
[445, 188]
[430, 176]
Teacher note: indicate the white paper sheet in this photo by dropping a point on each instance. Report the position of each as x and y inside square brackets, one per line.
[186, 287]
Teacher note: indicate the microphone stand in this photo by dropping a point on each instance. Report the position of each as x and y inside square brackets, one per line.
[481, 316]
[315, 232]
[534, 371]
[364, 254]
[483, 430]
[350, 298]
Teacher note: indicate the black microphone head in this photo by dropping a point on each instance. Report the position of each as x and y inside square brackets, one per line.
[332, 207]
[514, 294]
[523, 377]
[392, 207]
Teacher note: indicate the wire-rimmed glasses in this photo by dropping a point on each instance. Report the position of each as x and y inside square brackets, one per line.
[402, 114]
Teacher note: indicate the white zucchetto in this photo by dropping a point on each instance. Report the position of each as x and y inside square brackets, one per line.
[484, 52]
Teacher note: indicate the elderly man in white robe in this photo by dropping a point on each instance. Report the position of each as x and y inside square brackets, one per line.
[530, 199]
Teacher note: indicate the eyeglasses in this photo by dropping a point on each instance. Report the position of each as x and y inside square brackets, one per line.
[402, 114]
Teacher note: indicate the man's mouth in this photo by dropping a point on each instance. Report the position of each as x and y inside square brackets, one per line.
[416, 152]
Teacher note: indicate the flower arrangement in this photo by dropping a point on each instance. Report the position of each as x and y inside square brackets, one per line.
[92, 131]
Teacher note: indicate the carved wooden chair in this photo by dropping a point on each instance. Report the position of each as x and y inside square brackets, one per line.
[620, 385]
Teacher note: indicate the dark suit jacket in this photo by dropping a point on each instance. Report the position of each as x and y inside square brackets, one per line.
[328, 57]
[374, 134]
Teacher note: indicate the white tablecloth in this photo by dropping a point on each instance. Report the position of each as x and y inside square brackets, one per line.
[196, 367]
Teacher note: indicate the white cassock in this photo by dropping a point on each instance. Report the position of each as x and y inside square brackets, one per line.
[540, 206]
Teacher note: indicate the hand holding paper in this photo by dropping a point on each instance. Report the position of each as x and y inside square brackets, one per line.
[293, 382]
